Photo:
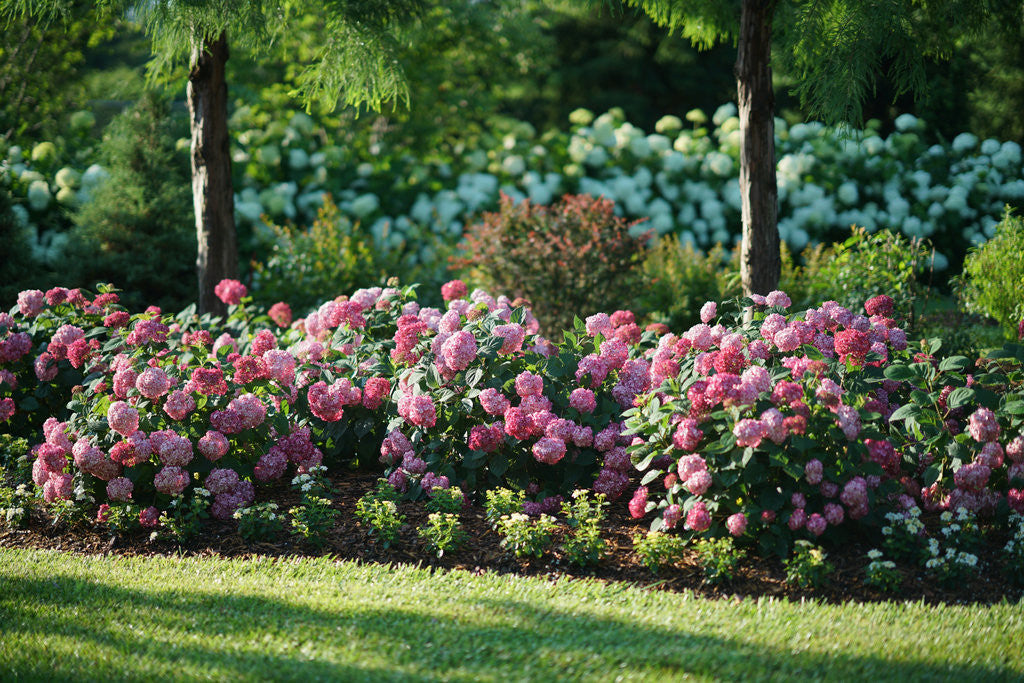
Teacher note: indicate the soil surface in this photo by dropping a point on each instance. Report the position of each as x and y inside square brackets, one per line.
[482, 552]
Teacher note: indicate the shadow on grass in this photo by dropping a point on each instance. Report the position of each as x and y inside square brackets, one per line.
[268, 638]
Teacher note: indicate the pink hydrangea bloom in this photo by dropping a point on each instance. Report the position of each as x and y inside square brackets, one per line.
[7, 409]
[375, 391]
[671, 516]
[518, 424]
[548, 450]
[493, 402]
[31, 302]
[638, 503]
[787, 339]
[708, 311]
[816, 524]
[797, 519]
[281, 314]
[834, 514]
[178, 405]
[513, 334]
[778, 298]
[599, 323]
[422, 412]
[1015, 449]
[698, 483]
[459, 350]
[454, 289]
[326, 403]
[972, 476]
[583, 400]
[221, 481]
[57, 487]
[982, 425]
[213, 445]
[529, 384]
[122, 418]
[749, 432]
[171, 480]
[149, 518]
[690, 465]
[698, 519]
[736, 524]
[153, 383]
[120, 489]
[813, 472]
[230, 291]
[612, 483]
[281, 366]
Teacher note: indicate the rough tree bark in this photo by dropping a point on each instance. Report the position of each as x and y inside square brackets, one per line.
[760, 263]
[213, 198]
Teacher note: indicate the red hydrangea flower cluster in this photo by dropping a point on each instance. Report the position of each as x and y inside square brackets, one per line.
[230, 291]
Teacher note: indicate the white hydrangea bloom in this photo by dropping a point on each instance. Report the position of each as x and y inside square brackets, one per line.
[722, 113]
[39, 195]
[365, 204]
[669, 124]
[847, 193]
[906, 122]
[964, 142]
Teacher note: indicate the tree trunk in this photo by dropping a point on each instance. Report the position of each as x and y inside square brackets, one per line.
[760, 264]
[212, 195]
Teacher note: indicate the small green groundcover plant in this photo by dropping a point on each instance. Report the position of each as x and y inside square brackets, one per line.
[15, 503]
[526, 536]
[1013, 551]
[260, 522]
[808, 566]
[583, 545]
[313, 519]
[379, 511]
[882, 573]
[501, 502]
[657, 549]
[442, 533]
[719, 558]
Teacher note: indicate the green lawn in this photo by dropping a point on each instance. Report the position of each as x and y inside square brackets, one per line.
[68, 617]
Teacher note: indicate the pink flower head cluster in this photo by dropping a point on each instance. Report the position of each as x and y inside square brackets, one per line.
[328, 403]
[230, 291]
[230, 492]
[375, 391]
[153, 383]
[486, 438]
[407, 336]
[529, 384]
[64, 337]
[417, 410]
[31, 302]
[147, 331]
[698, 519]
[280, 366]
[638, 503]
[281, 314]
[207, 381]
[15, 346]
[296, 448]
[122, 418]
[459, 350]
[983, 426]
[454, 289]
[513, 335]
[173, 449]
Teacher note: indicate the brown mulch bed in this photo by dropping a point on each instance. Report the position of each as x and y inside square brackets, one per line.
[482, 552]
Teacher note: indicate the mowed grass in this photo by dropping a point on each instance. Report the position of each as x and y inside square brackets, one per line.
[69, 617]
